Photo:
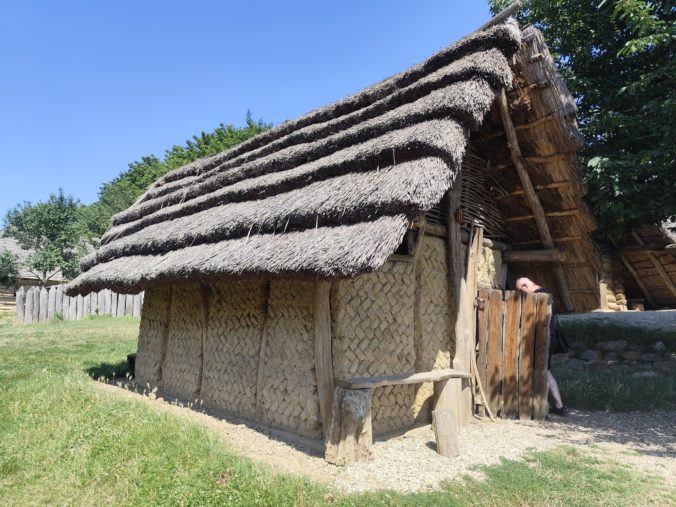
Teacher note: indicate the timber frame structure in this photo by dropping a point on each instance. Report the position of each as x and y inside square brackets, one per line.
[322, 277]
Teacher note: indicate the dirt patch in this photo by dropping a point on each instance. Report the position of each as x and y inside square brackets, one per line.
[642, 441]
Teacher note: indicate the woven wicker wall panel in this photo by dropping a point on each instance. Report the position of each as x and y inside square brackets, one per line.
[151, 336]
[288, 395]
[433, 351]
[235, 327]
[373, 335]
[183, 359]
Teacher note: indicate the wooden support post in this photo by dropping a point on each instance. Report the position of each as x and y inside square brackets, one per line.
[323, 352]
[456, 275]
[531, 197]
[350, 437]
[543, 309]
[20, 304]
[536, 256]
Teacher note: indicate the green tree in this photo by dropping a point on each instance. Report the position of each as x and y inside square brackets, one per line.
[121, 192]
[52, 231]
[9, 268]
[617, 57]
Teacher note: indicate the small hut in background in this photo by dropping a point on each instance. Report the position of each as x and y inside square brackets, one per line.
[26, 278]
[639, 271]
[334, 246]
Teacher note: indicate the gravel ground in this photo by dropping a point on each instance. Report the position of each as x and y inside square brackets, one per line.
[643, 441]
[662, 319]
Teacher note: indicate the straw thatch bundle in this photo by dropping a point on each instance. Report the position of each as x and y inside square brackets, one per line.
[330, 194]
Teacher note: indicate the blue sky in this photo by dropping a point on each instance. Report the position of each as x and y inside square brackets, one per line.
[88, 87]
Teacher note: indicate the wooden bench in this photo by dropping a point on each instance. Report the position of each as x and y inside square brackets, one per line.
[350, 437]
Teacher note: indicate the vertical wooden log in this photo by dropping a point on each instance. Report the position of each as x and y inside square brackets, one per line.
[113, 304]
[323, 353]
[526, 354]
[36, 305]
[51, 303]
[94, 308]
[129, 304]
[105, 294]
[483, 318]
[136, 311]
[58, 311]
[495, 372]
[511, 352]
[350, 438]
[121, 304]
[80, 307]
[543, 314]
[206, 293]
[65, 307]
[44, 304]
[444, 422]
[72, 308]
[87, 305]
[21, 305]
[30, 300]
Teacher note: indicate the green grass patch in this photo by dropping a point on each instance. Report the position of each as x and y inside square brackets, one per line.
[63, 441]
[615, 391]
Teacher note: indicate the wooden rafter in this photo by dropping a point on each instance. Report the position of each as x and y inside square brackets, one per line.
[531, 196]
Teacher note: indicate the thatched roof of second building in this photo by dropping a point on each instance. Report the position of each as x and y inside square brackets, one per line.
[329, 194]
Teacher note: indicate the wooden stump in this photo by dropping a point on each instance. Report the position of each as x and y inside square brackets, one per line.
[445, 418]
[445, 424]
[350, 438]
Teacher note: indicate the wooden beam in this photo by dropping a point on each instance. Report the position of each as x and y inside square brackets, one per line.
[531, 196]
[656, 262]
[646, 249]
[395, 380]
[539, 241]
[323, 352]
[539, 256]
[549, 214]
[549, 186]
[350, 436]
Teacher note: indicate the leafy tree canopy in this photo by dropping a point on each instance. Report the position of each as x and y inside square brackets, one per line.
[121, 193]
[617, 57]
[9, 268]
[52, 231]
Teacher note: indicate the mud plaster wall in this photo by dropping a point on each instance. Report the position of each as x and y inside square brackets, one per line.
[182, 367]
[151, 339]
[372, 327]
[235, 327]
[434, 327]
[288, 396]
[489, 269]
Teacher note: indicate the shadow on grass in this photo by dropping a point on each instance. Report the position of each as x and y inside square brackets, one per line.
[109, 370]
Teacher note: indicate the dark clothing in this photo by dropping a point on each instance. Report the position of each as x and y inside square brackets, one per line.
[555, 342]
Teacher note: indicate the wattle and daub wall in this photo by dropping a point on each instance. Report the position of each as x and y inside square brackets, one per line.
[247, 347]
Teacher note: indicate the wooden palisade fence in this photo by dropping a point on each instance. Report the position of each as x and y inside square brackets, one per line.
[513, 346]
[42, 304]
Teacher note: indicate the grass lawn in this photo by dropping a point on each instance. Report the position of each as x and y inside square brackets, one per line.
[64, 442]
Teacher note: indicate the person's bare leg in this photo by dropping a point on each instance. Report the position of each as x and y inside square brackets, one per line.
[554, 389]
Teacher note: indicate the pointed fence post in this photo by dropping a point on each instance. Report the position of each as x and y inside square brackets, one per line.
[28, 315]
[58, 305]
[20, 304]
[51, 303]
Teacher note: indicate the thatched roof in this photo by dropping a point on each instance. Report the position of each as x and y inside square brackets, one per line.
[330, 194]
